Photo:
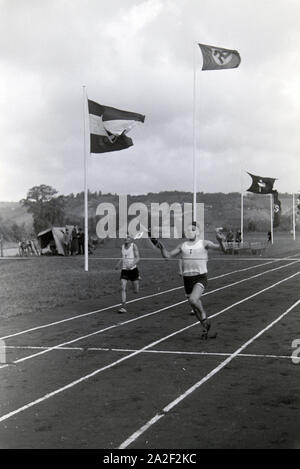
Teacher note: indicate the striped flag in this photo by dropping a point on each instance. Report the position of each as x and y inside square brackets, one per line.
[109, 126]
[217, 58]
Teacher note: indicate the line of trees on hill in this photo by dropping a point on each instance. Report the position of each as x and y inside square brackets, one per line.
[50, 209]
[13, 231]
[46, 208]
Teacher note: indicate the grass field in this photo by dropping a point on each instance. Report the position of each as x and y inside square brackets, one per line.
[78, 375]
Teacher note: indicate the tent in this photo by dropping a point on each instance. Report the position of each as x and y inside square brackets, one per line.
[51, 240]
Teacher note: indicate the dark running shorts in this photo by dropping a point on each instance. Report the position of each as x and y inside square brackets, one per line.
[189, 282]
[130, 274]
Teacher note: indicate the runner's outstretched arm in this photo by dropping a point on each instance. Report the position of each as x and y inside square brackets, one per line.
[137, 258]
[220, 245]
[168, 254]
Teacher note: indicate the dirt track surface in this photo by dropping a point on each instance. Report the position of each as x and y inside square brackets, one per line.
[252, 402]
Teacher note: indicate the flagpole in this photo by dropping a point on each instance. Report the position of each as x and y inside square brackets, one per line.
[271, 213]
[242, 216]
[242, 203]
[294, 218]
[194, 141]
[86, 226]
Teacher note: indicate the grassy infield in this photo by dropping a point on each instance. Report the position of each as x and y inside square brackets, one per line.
[41, 284]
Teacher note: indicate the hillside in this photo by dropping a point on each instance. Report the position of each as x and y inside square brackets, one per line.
[13, 212]
[220, 210]
[15, 221]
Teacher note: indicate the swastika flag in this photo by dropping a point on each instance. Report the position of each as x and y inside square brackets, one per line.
[217, 58]
[276, 209]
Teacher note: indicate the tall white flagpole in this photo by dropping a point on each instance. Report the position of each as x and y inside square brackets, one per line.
[271, 213]
[242, 216]
[194, 144]
[242, 203]
[86, 219]
[294, 218]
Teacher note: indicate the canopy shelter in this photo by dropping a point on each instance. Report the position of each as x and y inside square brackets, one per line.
[51, 240]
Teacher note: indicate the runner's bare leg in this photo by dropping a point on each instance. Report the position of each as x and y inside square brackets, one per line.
[123, 292]
[196, 303]
[136, 286]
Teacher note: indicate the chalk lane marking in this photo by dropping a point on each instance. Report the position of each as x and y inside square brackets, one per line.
[78, 316]
[100, 331]
[159, 352]
[197, 385]
[131, 355]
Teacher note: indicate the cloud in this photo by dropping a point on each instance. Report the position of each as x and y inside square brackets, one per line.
[137, 55]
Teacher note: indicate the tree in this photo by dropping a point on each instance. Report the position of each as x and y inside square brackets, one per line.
[18, 232]
[47, 210]
[41, 194]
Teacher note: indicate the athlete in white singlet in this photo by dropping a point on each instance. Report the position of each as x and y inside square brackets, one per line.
[129, 261]
[193, 263]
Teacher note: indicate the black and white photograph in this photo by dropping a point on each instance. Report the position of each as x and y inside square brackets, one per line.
[149, 227]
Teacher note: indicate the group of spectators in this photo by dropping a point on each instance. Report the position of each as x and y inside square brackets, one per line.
[73, 241]
[27, 247]
[234, 237]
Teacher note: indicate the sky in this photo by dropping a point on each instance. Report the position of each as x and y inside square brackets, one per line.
[138, 55]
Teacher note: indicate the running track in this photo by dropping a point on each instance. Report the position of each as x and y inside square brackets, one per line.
[145, 380]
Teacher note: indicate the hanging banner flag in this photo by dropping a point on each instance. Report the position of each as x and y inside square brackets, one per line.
[261, 185]
[109, 126]
[276, 209]
[298, 203]
[218, 58]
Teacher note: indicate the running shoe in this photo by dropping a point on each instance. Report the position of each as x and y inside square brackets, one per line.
[206, 326]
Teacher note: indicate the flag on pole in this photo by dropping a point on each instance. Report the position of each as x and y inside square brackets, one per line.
[261, 185]
[109, 126]
[276, 209]
[298, 203]
[217, 58]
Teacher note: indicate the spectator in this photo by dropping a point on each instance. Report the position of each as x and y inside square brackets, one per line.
[74, 241]
[80, 237]
[66, 242]
[230, 236]
[29, 247]
[238, 236]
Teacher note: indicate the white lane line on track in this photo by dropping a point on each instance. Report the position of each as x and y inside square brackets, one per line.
[227, 258]
[159, 352]
[72, 318]
[117, 362]
[197, 385]
[100, 331]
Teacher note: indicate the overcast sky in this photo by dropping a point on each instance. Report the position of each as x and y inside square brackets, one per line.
[137, 55]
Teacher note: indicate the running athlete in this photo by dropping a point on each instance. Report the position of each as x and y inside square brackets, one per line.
[130, 259]
[193, 259]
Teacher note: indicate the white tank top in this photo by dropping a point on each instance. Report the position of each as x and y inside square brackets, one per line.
[128, 256]
[194, 257]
